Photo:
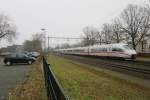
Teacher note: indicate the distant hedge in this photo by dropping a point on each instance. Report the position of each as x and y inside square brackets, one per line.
[143, 55]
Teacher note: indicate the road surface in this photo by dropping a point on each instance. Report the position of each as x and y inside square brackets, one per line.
[10, 76]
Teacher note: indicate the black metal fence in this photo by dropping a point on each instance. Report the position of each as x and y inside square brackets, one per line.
[54, 90]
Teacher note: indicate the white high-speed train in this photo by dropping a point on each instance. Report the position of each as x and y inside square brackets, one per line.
[119, 50]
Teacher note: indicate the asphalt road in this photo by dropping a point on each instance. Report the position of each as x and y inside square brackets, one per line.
[10, 76]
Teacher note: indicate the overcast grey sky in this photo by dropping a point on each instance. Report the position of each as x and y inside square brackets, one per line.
[60, 17]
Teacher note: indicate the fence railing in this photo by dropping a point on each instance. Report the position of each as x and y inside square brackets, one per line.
[54, 90]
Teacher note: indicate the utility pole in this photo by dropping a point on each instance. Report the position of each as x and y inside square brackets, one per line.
[88, 46]
[48, 43]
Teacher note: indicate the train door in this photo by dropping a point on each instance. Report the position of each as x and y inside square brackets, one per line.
[114, 52]
[109, 51]
[117, 52]
[88, 50]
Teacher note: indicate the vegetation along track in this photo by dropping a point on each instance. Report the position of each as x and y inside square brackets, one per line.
[138, 70]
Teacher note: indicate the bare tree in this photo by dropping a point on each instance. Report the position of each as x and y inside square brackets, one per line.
[7, 29]
[27, 45]
[32, 45]
[35, 44]
[38, 36]
[65, 46]
[118, 35]
[107, 33]
[41, 38]
[99, 37]
[147, 40]
[90, 35]
[147, 3]
[135, 22]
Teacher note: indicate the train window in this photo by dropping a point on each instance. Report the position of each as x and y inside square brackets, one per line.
[120, 50]
[104, 49]
[68, 50]
[114, 49]
[94, 50]
[79, 50]
[117, 49]
[127, 47]
[99, 49]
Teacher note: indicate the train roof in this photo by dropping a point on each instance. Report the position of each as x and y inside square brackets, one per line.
[94, 46]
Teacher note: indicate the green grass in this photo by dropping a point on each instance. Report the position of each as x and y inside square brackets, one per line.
[83, 83]
[143, 59]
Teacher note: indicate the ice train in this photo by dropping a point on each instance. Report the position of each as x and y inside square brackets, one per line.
[118, 50]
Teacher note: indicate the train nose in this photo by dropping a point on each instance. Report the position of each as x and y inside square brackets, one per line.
[131, 52]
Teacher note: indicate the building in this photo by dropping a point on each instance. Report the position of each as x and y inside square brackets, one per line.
[13, 48]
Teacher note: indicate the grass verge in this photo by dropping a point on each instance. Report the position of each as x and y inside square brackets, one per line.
[32, 88]
[146, 59]
[83, 83]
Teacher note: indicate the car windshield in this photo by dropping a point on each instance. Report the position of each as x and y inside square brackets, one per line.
[26, 55]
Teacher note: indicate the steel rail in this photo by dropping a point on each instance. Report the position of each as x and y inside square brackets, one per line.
[136, 71]
[140, 70]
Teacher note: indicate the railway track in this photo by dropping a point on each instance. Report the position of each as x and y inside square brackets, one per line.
[133, 63]
[141, 71]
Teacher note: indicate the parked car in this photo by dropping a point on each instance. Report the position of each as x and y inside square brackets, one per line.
[32, 54]
[35, 54]
[18, 58]
[29, 54]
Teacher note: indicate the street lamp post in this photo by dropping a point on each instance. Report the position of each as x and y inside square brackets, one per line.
[44, 32]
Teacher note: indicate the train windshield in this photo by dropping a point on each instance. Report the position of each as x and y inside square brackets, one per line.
[127, 47]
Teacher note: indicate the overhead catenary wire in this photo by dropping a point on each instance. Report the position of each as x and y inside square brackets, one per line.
[65, 37]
